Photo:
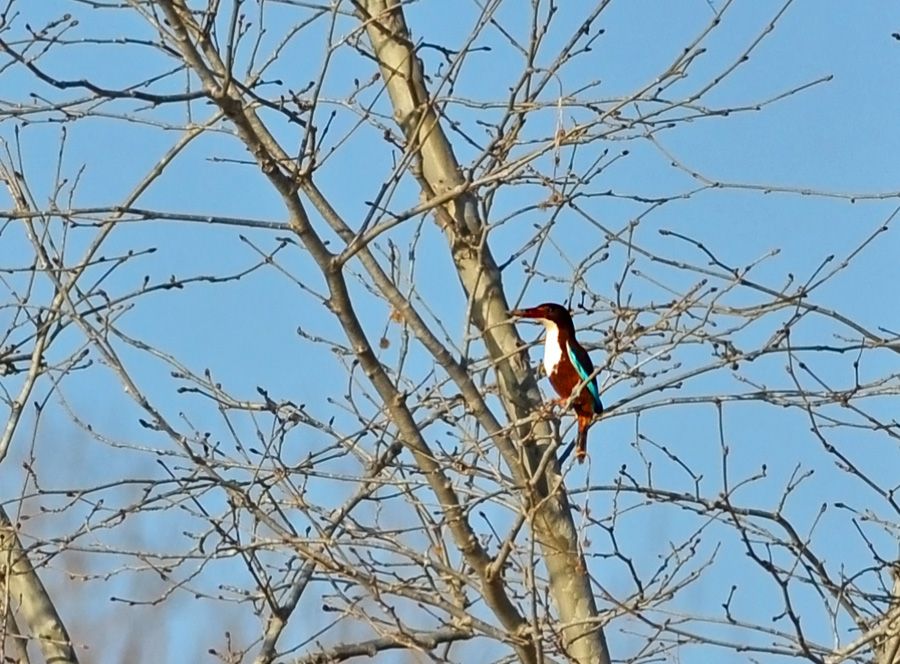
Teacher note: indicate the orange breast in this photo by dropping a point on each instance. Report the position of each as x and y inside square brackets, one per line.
[564, 380]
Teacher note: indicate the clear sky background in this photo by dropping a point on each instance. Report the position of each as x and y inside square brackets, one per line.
[840, 135]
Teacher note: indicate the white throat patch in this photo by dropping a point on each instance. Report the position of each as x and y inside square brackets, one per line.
[552, 350]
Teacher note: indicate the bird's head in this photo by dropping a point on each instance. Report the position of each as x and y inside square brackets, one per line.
[549, 311]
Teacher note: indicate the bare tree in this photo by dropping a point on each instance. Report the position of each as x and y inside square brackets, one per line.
[258, 261]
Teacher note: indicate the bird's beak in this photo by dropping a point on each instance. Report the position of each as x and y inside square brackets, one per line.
[526, 313]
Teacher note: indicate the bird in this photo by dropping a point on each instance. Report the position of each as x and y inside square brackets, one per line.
[567, 365]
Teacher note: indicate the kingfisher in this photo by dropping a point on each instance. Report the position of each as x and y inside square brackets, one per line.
[567, 365]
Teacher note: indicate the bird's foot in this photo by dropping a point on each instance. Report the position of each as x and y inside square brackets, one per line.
[548, 409]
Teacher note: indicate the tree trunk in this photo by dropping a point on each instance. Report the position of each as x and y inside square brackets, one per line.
[27, 597]
[439, 175]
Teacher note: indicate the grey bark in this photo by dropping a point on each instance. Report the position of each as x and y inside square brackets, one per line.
[28, 599]
[889, 650]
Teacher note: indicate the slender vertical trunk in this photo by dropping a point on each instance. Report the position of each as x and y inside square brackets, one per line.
[439, 173]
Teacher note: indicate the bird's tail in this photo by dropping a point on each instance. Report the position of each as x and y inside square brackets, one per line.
[584, 423]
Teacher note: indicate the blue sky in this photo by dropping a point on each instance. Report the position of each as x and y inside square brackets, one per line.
[837, 136]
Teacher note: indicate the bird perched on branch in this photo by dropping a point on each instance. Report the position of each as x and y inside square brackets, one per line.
[568, 366]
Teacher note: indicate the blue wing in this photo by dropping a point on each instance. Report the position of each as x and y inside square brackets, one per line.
[582, 363]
